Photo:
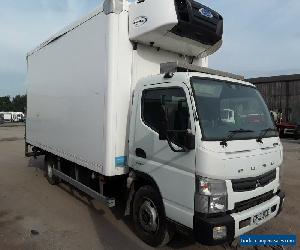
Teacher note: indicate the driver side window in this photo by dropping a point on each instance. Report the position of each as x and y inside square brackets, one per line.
[173, 101]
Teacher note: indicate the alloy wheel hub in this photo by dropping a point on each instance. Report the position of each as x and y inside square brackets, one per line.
[148, 217]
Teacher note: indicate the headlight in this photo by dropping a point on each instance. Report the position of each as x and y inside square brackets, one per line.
[211, 196]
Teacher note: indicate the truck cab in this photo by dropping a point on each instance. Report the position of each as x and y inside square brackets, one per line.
[217, 178]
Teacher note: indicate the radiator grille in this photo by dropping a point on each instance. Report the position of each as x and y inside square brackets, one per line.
[249, 184]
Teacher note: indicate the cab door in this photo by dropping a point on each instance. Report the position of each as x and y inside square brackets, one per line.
[173, 172]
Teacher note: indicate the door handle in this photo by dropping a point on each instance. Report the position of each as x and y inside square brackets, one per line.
[140, 153]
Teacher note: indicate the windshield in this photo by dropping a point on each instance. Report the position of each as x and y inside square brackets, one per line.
[224, 107]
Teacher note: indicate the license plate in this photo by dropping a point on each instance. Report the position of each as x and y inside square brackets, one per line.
[261, 216]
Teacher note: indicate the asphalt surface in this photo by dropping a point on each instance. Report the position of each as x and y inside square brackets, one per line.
[36, 215]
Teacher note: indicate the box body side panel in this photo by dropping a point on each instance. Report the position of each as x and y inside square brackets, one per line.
[67, 95]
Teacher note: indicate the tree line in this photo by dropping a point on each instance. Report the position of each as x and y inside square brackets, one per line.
[15, 104]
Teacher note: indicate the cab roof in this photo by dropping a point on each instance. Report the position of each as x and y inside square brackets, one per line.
[171, 75]
[172, 67]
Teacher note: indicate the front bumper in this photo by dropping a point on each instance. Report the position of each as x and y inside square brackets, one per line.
[203, 226]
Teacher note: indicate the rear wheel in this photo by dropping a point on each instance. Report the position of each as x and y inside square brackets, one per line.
[50, 164]
[149, 217]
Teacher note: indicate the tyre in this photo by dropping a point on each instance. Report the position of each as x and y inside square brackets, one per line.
[149, 217]
[50, 164]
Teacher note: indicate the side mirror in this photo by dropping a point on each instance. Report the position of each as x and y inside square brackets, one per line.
[162, 134]
[163, 126]
[190, 141]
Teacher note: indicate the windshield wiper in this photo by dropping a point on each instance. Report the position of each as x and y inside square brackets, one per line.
[264, 132]
[232, 134]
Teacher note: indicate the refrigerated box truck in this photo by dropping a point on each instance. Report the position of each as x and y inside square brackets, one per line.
[153, 130]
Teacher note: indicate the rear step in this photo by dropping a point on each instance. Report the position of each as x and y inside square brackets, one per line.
[110, 202]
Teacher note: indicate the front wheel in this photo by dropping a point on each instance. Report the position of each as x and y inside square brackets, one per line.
[149, 217]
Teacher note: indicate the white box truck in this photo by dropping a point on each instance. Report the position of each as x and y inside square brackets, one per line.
[7, 116]
[153, 127]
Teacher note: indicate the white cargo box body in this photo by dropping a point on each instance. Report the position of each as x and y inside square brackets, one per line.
[7, 116]
[79, 93]
[80, 85]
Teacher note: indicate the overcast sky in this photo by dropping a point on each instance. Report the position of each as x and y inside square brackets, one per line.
[260, 37]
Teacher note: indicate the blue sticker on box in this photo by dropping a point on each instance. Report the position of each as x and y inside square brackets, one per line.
[121, 161]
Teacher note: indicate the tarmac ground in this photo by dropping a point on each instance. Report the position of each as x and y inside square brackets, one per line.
[36, 215]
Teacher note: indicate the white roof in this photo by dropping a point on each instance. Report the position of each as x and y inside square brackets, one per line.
[223, 78]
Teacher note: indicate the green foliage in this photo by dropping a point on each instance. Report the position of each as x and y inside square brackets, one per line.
[16, 104]
[19, 103]
[5, 103]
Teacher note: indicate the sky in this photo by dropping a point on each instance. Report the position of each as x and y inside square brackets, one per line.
[261, 38]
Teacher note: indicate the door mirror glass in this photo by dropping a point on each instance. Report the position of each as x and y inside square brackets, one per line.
[163, 125]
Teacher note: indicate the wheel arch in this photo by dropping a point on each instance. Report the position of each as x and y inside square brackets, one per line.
[135, 181]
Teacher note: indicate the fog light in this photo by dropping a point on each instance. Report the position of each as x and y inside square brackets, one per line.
[219, 232]
[245, 223]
